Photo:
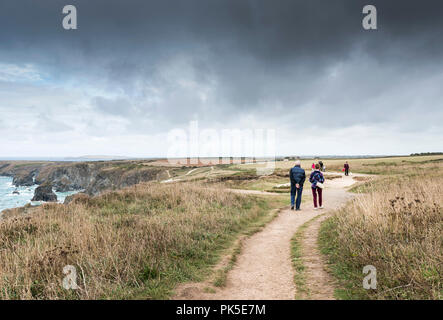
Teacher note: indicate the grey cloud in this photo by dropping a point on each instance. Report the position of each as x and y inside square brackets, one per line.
[48, 124]
[167, 62]
[118, 106]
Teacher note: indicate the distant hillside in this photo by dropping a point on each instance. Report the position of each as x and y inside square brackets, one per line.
[97, 157]
[427, 154]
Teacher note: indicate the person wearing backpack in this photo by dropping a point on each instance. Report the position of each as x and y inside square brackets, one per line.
[297, 176]
[317, 179]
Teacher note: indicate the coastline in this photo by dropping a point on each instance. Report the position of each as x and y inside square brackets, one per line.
[11, 200]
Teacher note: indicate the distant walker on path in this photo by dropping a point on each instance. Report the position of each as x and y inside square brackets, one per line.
[346, 169]
[322, 166]
[297, 177]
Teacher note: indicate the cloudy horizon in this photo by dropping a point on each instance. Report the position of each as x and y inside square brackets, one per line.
[135, 70]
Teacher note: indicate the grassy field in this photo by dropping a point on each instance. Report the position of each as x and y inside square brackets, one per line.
[380, 166]
[396, 225]
[140, 242]
[135, 243]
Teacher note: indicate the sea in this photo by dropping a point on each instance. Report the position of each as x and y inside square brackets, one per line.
[9, 199]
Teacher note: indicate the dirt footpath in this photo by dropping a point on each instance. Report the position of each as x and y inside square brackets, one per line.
[263, 269]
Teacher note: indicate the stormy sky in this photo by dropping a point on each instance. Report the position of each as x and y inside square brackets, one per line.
[135, 70]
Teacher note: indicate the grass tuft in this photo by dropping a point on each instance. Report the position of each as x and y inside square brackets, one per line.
[398, 228]
[137, 243]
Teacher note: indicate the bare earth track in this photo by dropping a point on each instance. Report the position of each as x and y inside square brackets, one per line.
[263, 269]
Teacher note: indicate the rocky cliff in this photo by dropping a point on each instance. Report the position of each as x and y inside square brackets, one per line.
[22, 172]
[91, 177]
[24, 179]
[44, 193]
[68, 177]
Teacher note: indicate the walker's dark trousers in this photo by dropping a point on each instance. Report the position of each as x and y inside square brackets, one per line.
[295, 191]
[314, 196]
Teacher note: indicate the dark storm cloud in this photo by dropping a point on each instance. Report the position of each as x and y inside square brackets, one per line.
[124, 37]
[216, 60]
[272, 30]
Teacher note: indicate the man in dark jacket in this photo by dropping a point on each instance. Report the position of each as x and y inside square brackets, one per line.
[297, 176]
[322, 167]
[346, 169]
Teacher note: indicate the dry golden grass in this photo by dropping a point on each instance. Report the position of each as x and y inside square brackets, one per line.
[134, 243]
[398, 228]
[387, 165]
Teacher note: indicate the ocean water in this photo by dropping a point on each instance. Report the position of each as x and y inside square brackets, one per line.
[10, 200]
